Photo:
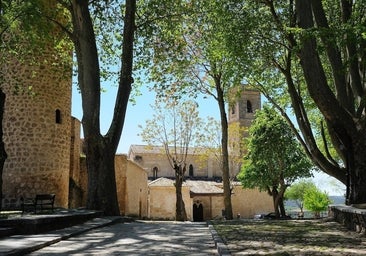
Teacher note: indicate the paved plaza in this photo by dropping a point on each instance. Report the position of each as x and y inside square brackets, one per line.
[117, 236]
[138, 238]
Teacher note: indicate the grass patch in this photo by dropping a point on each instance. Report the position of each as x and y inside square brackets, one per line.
[289, 237]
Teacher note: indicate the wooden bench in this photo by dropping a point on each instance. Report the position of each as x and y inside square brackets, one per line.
[41, 201]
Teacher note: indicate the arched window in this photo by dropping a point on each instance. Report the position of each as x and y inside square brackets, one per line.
[233, 110]
[155, 172]
[58, 116]
[249, 107]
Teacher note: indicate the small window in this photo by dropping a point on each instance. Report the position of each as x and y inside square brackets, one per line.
[155, 172]
[249, 107]
[58, 116]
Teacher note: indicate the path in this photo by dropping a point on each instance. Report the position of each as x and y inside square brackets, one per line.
[138, 238]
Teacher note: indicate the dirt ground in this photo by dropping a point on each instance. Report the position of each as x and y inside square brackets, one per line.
[289, 237]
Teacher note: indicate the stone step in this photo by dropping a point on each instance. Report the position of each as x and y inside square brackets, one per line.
[7, 231]
[34, 224]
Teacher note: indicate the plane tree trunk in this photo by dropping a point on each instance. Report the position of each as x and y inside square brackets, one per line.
[224, 149]
[180, 208]
[344, 108]
[101, 150]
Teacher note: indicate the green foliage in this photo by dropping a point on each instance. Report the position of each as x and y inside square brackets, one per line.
[274, 156]
[315, 200]
[27, 30]
[297, 191]
[182, 47]
[268, 37]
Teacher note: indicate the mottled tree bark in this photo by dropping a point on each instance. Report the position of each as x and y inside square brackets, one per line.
[225, 152]
[344, 108]
[180, 214]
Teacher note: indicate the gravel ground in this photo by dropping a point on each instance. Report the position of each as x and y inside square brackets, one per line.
[289, 237]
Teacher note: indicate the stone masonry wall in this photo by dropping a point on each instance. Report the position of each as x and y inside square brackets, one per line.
[37, 128]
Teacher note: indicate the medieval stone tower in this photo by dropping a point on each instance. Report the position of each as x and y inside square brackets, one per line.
[241, 112]
[243, 108]
[37, 123]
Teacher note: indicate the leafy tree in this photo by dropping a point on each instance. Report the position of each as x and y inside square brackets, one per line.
[175, 125]
[274, 158]
[95, 30]
[184, 52]
[315, 200]
[310, 56]
[297, 192]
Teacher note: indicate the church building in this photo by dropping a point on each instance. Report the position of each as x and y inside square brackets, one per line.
[202, 189]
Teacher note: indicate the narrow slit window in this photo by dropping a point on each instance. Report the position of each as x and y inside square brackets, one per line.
[155, 172]
[58, 116]
[249, 107]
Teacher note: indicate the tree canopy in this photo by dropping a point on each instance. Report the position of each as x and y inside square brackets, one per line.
[316, 200]
[309, 56]
[275, 159]
[297, 191]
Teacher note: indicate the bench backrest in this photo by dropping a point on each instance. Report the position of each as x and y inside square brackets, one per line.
[41, 197]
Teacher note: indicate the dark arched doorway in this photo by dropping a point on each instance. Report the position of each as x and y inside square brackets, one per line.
[190, 170]
[197, 212]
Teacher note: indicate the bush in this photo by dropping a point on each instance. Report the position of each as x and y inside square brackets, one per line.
[316, 201]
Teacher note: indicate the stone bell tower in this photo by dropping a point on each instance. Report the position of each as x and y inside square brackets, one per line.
[37, 121]
[243, 107]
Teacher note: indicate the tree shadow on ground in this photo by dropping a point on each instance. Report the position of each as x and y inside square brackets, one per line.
[289, 237]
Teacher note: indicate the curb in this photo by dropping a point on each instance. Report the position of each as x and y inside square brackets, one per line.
[64, 234]
[222, 248]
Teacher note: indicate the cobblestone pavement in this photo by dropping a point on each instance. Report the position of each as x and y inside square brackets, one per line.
[289, 237]
[138, 238]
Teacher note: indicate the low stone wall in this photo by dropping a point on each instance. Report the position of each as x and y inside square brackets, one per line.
[352, 217]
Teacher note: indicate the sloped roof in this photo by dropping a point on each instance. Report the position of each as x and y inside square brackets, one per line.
[197, 187]
[147, 149]
[204, 187]
[161, 182]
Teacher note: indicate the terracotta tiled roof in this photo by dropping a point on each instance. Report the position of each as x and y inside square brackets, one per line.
[161, 182]
[196, 186]
[146, 149]
[204, 187]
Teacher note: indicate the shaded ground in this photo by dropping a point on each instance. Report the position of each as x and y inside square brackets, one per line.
[293, 237]
[138, 238]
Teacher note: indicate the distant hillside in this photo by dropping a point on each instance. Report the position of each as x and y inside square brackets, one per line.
[337, 199]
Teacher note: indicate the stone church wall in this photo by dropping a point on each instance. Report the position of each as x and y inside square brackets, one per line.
[162, 201]
[132, 188]
[248, 202]
[202, 167]
[212, 206]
